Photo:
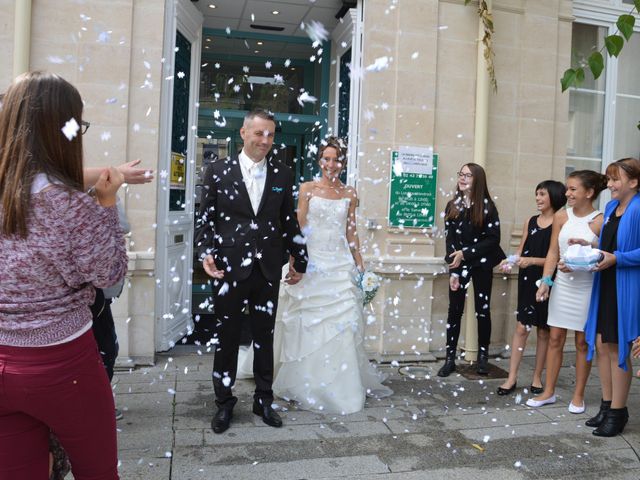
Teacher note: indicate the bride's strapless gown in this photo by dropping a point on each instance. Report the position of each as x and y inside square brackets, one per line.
[320, 361]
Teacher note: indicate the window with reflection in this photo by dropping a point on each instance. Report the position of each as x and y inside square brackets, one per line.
[599, 133]
[586, 103]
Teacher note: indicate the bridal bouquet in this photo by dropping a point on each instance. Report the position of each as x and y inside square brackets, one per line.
[369, 284]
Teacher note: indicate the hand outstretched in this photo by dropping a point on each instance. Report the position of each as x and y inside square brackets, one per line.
[209, 265]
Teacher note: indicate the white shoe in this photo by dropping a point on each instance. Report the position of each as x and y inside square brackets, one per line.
[539, 403]
[574, 409]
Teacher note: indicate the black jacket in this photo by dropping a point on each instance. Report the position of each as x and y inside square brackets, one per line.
[481, 246]
[228, 229]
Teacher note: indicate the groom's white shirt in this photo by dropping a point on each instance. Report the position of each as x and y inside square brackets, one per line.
[254, 176]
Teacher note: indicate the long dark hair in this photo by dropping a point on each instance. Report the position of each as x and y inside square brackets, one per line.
[34, 110]
[591, 180]
[480, 198]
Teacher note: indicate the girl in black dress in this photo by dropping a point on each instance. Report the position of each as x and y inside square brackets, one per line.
[536, 237]
[473, 250]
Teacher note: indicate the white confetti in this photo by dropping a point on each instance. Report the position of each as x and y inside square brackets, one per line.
[306, 98]
[315, 31]
[223, 289]
[70, 129]
[381, 63]
[55, 59]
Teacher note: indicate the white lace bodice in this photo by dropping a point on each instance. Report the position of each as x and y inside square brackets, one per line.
[326, 229]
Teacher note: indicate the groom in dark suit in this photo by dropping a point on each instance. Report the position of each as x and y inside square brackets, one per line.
[247, 218]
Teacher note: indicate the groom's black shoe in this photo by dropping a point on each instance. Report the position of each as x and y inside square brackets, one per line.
[222, 419]
[269, 416]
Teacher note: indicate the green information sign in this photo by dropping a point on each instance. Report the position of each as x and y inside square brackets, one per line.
[412, 198]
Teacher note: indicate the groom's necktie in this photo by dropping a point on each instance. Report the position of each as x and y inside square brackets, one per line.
[253, 186]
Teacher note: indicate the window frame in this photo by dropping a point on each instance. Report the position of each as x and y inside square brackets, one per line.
[603, 13]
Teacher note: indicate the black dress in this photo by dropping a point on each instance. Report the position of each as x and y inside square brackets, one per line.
[530, 312]
[608, 307]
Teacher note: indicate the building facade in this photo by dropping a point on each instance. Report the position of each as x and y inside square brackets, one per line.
[168, 81]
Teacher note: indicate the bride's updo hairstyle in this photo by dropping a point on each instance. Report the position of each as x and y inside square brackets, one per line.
[591, 181]
[339, 145]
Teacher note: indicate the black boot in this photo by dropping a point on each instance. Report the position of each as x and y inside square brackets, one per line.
[482, 367]
[613, 423]
[449, 365]
[599, 418]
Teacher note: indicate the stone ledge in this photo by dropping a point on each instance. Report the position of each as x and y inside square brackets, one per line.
[141, 262]
[408, 265]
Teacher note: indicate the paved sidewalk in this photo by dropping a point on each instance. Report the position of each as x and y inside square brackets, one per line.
[429, 429]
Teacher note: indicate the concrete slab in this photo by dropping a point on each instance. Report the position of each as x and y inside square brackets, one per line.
[429, 428]
[343, 467]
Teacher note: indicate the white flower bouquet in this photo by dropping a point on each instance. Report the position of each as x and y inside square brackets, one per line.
[509, 263]
[369, 284]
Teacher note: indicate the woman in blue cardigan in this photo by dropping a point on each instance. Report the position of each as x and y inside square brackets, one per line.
[614, 313]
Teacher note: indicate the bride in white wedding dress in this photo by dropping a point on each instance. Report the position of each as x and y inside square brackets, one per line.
[319, 354]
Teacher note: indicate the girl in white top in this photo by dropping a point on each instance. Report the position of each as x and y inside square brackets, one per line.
[569, 301]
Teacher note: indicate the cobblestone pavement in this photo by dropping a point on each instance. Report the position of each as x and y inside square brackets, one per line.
[430, 428]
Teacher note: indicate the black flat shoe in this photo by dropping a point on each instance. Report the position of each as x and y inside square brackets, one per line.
[536, 390]
[221, 420]
[268, 414]
[506, 391]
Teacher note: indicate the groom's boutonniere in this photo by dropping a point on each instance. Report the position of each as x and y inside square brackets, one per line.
[277, 189]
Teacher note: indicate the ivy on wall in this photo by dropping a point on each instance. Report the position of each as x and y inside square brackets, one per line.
[574, 76]
[487, 39]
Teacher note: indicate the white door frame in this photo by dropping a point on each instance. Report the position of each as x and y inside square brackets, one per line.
[174, 233]
[348, 35]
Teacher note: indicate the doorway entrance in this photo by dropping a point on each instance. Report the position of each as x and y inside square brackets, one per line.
[258, 54]
[242, 71]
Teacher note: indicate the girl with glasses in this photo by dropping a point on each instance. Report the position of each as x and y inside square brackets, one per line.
[473, 249]
[56, 242]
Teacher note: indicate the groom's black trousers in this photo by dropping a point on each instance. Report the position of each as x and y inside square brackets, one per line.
[260, 296]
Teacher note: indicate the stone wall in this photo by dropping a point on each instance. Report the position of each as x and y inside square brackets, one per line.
[112, 52]
[427, 97]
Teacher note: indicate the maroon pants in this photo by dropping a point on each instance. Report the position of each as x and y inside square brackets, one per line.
[63, 388]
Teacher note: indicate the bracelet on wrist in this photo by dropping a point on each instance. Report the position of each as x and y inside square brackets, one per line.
[547, 279]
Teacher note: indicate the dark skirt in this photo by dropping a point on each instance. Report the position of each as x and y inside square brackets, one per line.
[530, 312]
[607, 325]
